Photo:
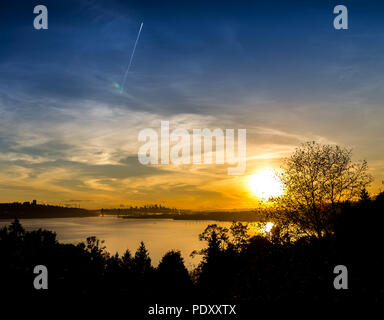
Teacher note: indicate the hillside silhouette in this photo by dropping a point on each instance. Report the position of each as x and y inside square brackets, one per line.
[28, 210]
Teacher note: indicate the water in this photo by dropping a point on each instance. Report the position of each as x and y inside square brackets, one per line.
[159, 235]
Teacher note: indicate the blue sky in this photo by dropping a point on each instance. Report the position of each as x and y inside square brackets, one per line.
[277, 68]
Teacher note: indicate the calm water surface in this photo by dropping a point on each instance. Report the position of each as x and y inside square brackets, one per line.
[159, 235]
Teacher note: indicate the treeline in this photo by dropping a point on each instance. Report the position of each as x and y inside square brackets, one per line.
[86, 270]
[277, 269]
[235, 267]
[33, 210]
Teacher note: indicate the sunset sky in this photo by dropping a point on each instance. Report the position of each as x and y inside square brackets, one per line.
[276, 68]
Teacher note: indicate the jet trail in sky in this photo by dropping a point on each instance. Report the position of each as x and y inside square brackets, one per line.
[130, 60]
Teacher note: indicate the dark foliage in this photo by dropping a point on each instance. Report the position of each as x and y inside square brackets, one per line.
[29, 210]
[274, 269]
[234, 267]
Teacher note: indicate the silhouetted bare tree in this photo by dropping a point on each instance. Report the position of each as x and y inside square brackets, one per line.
[317, 178]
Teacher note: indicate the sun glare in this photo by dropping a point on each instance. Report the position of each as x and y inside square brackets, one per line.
[265, 184]
[268, 227]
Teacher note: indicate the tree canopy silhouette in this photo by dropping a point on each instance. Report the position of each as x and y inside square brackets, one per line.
[316, 179]
[142, 261]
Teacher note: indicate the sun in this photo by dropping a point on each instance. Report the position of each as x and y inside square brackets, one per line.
[264, 184]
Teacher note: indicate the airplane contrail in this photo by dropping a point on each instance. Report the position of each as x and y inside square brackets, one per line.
[130, 60]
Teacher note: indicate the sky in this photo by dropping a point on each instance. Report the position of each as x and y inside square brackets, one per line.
[279, 69]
